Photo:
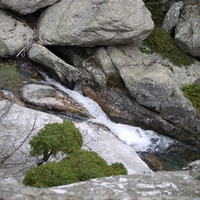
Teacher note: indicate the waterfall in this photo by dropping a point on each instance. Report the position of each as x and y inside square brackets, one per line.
[140, 140]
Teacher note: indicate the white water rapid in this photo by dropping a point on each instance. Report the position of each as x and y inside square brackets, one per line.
[140, 140]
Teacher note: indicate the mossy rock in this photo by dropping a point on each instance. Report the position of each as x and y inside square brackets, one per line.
[56, 137]
[50, 174]
[88, 165]
[161, 42]
[192, 92]
[80, 166]
[10, 78]
[155, 7]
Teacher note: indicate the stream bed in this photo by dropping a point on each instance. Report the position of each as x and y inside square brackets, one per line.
[158, 151]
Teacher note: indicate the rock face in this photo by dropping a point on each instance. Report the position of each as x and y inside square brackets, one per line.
[156, 98]
[48, 98]
[163, 185]
[55, 66]
[187, 30]
[25, 6]
[91, 23]
[14, 35]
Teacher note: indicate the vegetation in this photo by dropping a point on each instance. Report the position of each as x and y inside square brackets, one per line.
[192, 92]
[155, 7]
[80, 165]
[10, 79]
[160, 41]
[56, 137]
[113, 80]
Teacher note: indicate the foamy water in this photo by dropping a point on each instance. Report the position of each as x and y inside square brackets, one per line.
[139, 139]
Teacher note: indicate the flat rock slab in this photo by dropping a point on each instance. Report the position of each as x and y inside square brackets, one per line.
[95, 22]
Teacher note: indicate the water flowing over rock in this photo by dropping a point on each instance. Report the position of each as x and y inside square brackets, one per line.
[153, 86]
[14, 35]
[25, 6]
[55, 66]
[91, 23]
[48, 98]
[19, 124]
[187, 30]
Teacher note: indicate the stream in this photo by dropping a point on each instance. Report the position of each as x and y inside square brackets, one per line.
[159, 152]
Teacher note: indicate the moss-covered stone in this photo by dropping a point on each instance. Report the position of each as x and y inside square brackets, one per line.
[161, 42]
[155, 7]
[56, 137]
[79, 166]
[50, 174]
[192, 92]
[10, 79]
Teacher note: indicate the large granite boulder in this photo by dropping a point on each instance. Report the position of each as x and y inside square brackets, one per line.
[156, 99]
[25, 6]
[14, 35]
[56, 67]
[187, 31]
[91, 23]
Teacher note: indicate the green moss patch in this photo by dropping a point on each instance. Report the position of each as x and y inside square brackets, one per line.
[161, 42]
[10, 79]
[80, 165]
[56, 137]
[192, 92]
[155, 7]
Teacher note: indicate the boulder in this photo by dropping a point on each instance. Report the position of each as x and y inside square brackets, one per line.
[48, 98]
[155, 87]
[187, 31]
[92, 23]
[14, 35]
[56, 67]
[163, 185]
[25, 6]
[172, 17]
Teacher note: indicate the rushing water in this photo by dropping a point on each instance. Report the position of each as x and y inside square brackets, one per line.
[141, 140]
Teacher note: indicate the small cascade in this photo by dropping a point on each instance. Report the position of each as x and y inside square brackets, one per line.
[140, 140]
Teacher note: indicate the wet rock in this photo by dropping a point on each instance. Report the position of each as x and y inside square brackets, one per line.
[55, 66]
[48, 98]
[14, 35]
[91, 23]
